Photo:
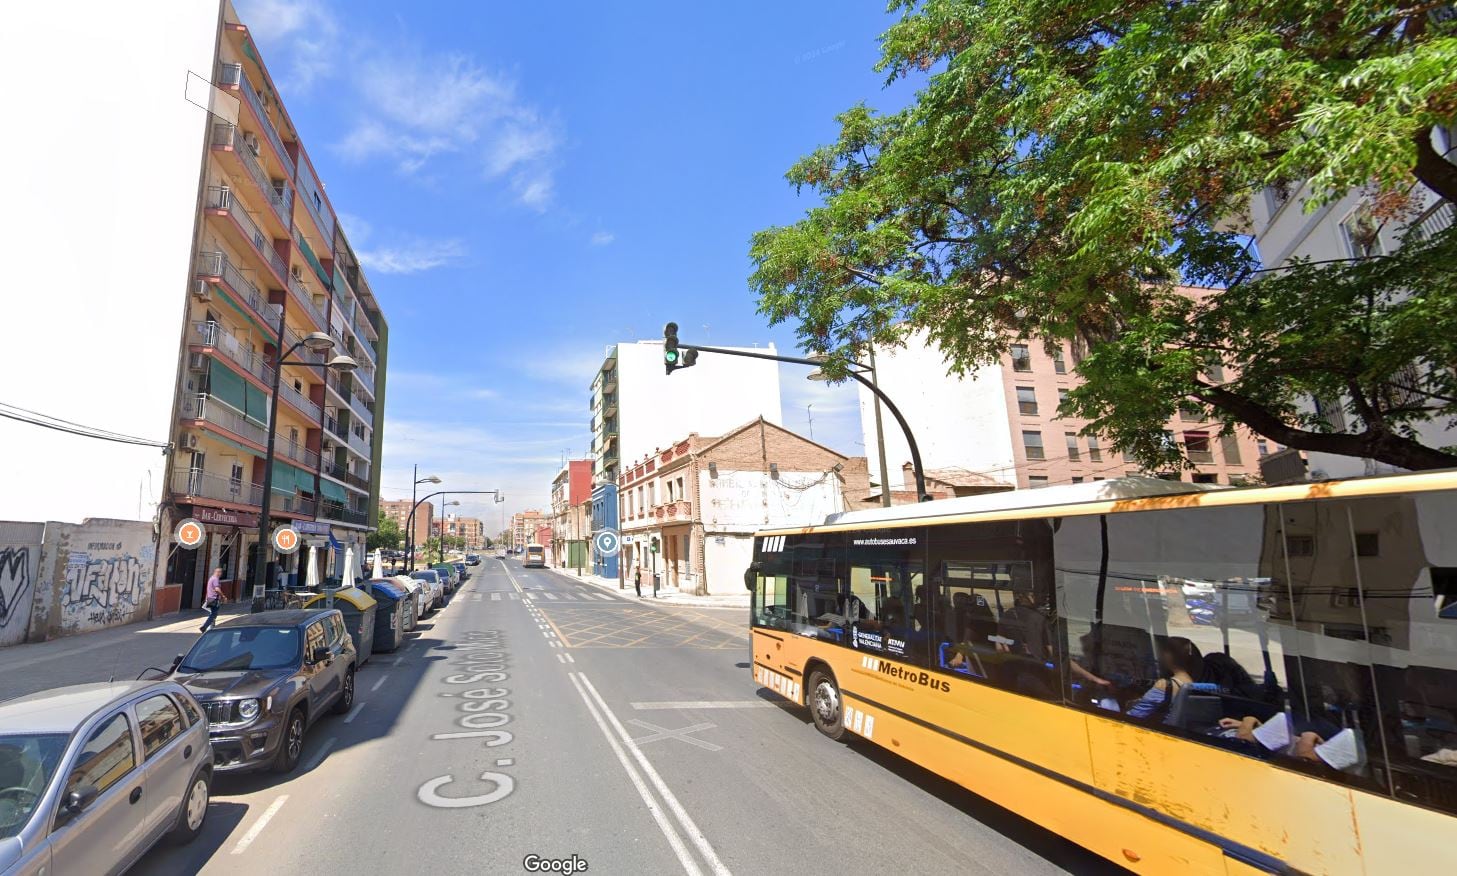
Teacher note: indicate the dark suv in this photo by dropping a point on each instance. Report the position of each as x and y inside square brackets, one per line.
[264, 678]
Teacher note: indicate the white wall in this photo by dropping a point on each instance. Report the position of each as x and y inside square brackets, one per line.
[746, 501]
[103, 155]
[716, 395]
[959, 422]
[725, 557]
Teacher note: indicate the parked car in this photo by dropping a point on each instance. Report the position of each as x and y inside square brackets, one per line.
[473, 559]
[264, 679]
[449, 576]
[92, 775]
[464, 572]
[431, 579]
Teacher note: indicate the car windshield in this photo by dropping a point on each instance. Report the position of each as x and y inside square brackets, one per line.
[239, 648]
[27, 762]
[425, 576]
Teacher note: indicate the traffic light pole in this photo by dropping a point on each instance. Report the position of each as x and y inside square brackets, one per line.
[920, 473]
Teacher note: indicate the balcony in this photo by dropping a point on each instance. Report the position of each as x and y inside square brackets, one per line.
[212, 334]
[340, 472]
[305, 299]
[300, 401]
[291, 340]
[360, 445]
[201, 485]
[216, 266]
[363, 409]
[679, 510]
[291, 503]
[332, 426]
[1434, 221]
[297, 453]
[338, 386]
[232, 75]
[335, 511]
[203, 407]
[222, 198]
[230, 138]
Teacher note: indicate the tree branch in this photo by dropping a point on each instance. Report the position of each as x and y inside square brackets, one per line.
[1436, 172]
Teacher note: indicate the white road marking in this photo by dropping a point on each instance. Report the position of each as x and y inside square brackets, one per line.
[354, 712]
[550, 595]
[670, 833]
[398, 661]
[517, 596]
[318, 756]
[554, 643]
[570, 658]
[691, 829]
[379, 684]
[705, 704]
[258, 825]
[496, 597]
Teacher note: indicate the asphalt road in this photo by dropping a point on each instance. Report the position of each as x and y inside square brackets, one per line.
[537, 715]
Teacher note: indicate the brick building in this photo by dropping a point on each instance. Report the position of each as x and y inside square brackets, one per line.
[701, 500]
[398, 510]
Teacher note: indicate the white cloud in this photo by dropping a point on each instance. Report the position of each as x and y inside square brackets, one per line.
[602, 238]
[420, 108]
[411, 257]
[301, 37]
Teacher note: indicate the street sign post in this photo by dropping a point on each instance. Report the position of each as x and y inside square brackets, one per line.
[189, 533]
[607, 542]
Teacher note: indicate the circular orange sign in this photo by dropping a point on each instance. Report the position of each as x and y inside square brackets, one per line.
[285, 539]
[189, 533]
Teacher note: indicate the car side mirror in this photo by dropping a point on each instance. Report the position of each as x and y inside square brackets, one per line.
[177, 661]
[80, 797]
[320, 655]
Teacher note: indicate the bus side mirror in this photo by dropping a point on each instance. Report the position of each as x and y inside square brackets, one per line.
[751, 576]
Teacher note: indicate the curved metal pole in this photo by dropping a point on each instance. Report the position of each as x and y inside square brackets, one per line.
[410, 522]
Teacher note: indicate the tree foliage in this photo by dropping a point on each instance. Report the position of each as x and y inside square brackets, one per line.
[388, 536]
[1070, 164]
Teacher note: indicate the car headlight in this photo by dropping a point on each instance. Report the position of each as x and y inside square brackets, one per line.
[247, 709]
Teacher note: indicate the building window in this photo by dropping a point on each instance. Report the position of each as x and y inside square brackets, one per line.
[1215, 373]
[1077, 479]
[1300, 545]
[1032, 443]
[1095, 453]
[1191, 413]
[1197, 446]
[1229, 445]
[1061, 397]
[1035, 481]
[1263, 446]
[1206, 479]
[1027, 401]
[1363, 233]
[1058, 364]
[1368, 544]
[1168, 476]
[1021, 358]
[1072, 446]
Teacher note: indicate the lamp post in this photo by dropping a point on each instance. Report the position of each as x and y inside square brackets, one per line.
[440, 545]
[410, 522]
[885, 496]
[316, 342]
[410, 532]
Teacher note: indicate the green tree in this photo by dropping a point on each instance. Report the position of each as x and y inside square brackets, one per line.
[1067, 164]
[387, 536]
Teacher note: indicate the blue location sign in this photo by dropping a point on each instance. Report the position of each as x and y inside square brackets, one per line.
[607, 542]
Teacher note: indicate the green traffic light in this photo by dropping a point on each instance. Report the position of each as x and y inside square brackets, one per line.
[671, 356]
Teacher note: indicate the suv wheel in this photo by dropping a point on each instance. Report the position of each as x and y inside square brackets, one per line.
[346, 694]
[292, 743]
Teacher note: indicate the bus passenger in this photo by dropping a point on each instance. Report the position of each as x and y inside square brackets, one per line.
[1182, 663]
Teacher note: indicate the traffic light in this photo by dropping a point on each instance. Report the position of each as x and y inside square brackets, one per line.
[653, 545]
[674, 358]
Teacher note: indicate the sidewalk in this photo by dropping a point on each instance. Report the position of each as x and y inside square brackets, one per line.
[120, 652]
[665, 594]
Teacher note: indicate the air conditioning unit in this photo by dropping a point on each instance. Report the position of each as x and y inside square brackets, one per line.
[201, 291]
[196, 362]
[251, 141]
[187, 441]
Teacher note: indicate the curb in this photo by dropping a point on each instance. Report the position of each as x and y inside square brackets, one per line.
[675, 597]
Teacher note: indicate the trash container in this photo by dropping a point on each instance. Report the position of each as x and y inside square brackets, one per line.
[358, 609]
[389, 613]
[415, 596]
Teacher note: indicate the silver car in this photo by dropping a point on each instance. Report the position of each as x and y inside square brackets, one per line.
[92, 775]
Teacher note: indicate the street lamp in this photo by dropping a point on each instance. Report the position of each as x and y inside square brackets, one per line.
[410, 522]
[314, 342]
[440, 545]
[410, 535]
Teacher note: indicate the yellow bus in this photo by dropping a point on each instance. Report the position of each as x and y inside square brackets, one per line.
[535, 557]
[1177, 677]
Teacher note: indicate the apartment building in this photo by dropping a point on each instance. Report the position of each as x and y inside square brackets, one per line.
[700, 501]
[398, 510]
[998, 424]
[212, 249]
[637, 408]
[571, 525]
[524, 527]
[472, 529]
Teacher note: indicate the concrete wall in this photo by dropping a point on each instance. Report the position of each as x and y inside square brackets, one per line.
[718, 394]
[103, 190]
[61, 579]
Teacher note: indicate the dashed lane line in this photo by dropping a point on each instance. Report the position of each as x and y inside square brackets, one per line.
[262, 822]
[380, 683]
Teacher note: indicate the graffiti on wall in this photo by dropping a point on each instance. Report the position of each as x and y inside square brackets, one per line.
[15, 587]
[105, 584]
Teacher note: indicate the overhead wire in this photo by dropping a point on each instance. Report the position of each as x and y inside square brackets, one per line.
[46, 421]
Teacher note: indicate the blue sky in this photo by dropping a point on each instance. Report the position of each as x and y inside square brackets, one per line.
[528, 183]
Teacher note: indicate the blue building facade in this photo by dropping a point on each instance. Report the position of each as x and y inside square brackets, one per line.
[604, 516]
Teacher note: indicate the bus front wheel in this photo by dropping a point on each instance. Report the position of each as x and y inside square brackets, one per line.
[825, 706]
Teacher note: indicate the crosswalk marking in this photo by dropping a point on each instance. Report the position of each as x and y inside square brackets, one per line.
[496, 597]
[550, 595]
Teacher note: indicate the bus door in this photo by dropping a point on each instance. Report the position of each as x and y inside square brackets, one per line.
[887, 600]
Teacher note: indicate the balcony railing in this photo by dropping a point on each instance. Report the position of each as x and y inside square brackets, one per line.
[200, 484]
[673, 511]
[232, 74]
[337, 385]
[292, 503]
[1436, 220]
[302, 295]
[335, 511]
[216, 264]
[300, 401]
[297, 453]
[211, 334]
[332, 426]
[222, 198]
[224, 134]
[362, 408]
[291, 340]
[360, 445]
[202, 406]
[341, 472]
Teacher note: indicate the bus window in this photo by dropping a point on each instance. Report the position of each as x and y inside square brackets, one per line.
[991, 605]
[886, 571]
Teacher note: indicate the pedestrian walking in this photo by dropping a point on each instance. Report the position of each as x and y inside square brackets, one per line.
[212, 599]
[637, 580]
